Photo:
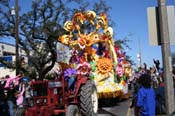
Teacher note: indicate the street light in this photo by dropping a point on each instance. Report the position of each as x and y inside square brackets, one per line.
[139, 59]
[14, 11]
[139, 55]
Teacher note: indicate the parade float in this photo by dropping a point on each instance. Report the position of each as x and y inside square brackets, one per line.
[90, 49]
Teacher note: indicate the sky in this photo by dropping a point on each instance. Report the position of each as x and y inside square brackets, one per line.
[130, 17]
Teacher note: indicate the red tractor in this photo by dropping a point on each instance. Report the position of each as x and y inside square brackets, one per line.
[55, 98]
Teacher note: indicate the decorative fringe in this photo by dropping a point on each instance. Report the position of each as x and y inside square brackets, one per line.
[110, 94]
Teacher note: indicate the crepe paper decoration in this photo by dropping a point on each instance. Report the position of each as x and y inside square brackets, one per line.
[104, 65]
[128, 72]
[92, 76]
[83, 68]
[102, 21]
[78, 18]
[90, 16]
[109, 32]
[113, 51]
[65, 39]
[68, 26]
[93, 66]
[70, 72]
[119, 70]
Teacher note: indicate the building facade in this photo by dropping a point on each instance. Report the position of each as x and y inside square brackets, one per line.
[8, 52]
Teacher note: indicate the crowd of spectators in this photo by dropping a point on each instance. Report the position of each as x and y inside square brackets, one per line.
[149, 90]
[14, 93]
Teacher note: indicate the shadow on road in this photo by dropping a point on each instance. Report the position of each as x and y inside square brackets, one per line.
[114, 107]
[107, 113]
[110, 102]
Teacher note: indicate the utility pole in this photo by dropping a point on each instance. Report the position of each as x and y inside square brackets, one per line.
[17, 36]
[140, 54]
[166, 56]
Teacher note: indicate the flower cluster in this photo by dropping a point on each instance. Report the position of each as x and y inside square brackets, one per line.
[83, 68]
[70, 72]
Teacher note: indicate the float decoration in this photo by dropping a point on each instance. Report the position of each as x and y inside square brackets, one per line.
[88, 58]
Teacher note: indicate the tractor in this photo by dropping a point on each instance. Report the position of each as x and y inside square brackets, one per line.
[54, 97]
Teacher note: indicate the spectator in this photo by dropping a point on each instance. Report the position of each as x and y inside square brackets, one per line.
[3, 105]
[11, 87]
[28, 94]
[134, 99]
[11, 100]
[146, 97]
[160, 99]
[2, 81]
[19, 101]
[11, 80]
[20, 98]
[157, 64]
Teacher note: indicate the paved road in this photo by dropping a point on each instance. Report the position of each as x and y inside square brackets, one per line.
[116, 108]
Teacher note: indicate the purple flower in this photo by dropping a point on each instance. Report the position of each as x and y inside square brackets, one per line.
[70, 72]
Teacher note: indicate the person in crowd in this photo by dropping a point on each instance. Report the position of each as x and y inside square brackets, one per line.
[11, 86]
[19, 95]
[28, 93]
[134, 97]
[11, 99]
[3, 105]
[145, 66]
[157, 64]
[10, 80]
[2, 81]
[154, 77]
[20, 100]
[160, 99]
[145, 97]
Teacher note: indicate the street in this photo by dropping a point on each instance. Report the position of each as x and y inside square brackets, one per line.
[118, 108]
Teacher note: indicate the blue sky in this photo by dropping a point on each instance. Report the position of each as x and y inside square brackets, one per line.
[130, 17]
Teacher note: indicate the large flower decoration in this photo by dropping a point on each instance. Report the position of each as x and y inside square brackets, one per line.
[83, 68]
[104, 67]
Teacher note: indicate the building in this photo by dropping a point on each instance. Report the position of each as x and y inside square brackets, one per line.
[7, 52]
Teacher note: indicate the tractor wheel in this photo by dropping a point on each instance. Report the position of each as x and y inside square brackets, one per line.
[20, 111]
[72, 110]
[89, 99]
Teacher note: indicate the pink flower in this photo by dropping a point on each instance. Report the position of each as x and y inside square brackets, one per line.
[83, 68]
[119, 70]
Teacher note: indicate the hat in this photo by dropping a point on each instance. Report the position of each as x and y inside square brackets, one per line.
[25, 79]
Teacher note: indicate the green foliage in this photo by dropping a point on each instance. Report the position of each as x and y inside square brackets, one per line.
[123, 44]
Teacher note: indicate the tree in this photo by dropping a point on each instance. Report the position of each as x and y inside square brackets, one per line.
[40, 27]
[123, 44]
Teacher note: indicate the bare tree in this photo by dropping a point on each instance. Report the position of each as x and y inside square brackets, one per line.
[40, 27]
